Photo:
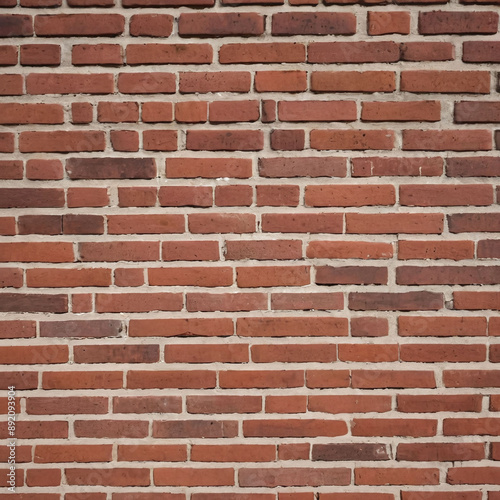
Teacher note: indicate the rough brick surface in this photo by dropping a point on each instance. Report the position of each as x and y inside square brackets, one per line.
[249, 249]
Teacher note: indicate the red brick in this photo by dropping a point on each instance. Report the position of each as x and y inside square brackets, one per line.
[11, 277]
[190, 250]
[155, 453]
[246, 53]
[263, 249]
[292, 327]
[210, 168]
[488, 248]
[181, 327]
[287, 140]
[384, 379]
[233, 111]
[445, 495]
[191, 112]
[421, 111]
[293, 353]
[306, 301]
[327, 379]
[483, 51]
[476, 300]
[349, 250]
[199, 276]
[155, 53]
[313, 23]
[138, 302]
[67, 83]
[79, 25]
[396, 476]
[317, 111]
[453, 82]
[302, 223]
[228, 140]
[108, 477]
[38, 170]
[43, 477]
[246, 379]
[352, 52]
[82, 380]
[233, 453]
[369, 327]
[230, 302]
[220, 81]
[146, 224]
[221, 223]
[409, 223]
[146, 83]
[124, 140]
[87, 197]
[448, 275]
[443, 452]
[286, 404]
[81, 112]
[156, 25]
[294, 476]
[181, 196]
[327, 275]
[453, 250]
[293, 428]
[447, 140]
[194, 379]
[475, 222]
[36, 252]
[385, 23]
[193, 477]
[100, 55]
[66, 405]
[442, 326]
[281, 81]
[473, 475]
[61, 141]
[427, 51]
[19, 302]
[201, 354]
[17, 329]
[195, 429]
[6, 142]
[221, 24]
[15, 25]
[443, 22]
[349, 195]
[11, 169]
[11, 84]
[349, 404]
[233, 196]
[160, 140]
[352, 139]
[430, 403]
[157, 112]
[116, 354]
[223, 404]
[8, 55]
[376, 353]
[471, 378]
[72, 453]
[115, 251]
[477, 112]
[47, 278]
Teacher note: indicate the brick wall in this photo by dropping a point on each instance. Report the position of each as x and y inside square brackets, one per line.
[249, 250]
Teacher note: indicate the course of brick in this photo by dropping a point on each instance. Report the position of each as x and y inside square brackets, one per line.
[249, 249]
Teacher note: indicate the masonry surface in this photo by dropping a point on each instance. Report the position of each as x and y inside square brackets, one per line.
[249, 249]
